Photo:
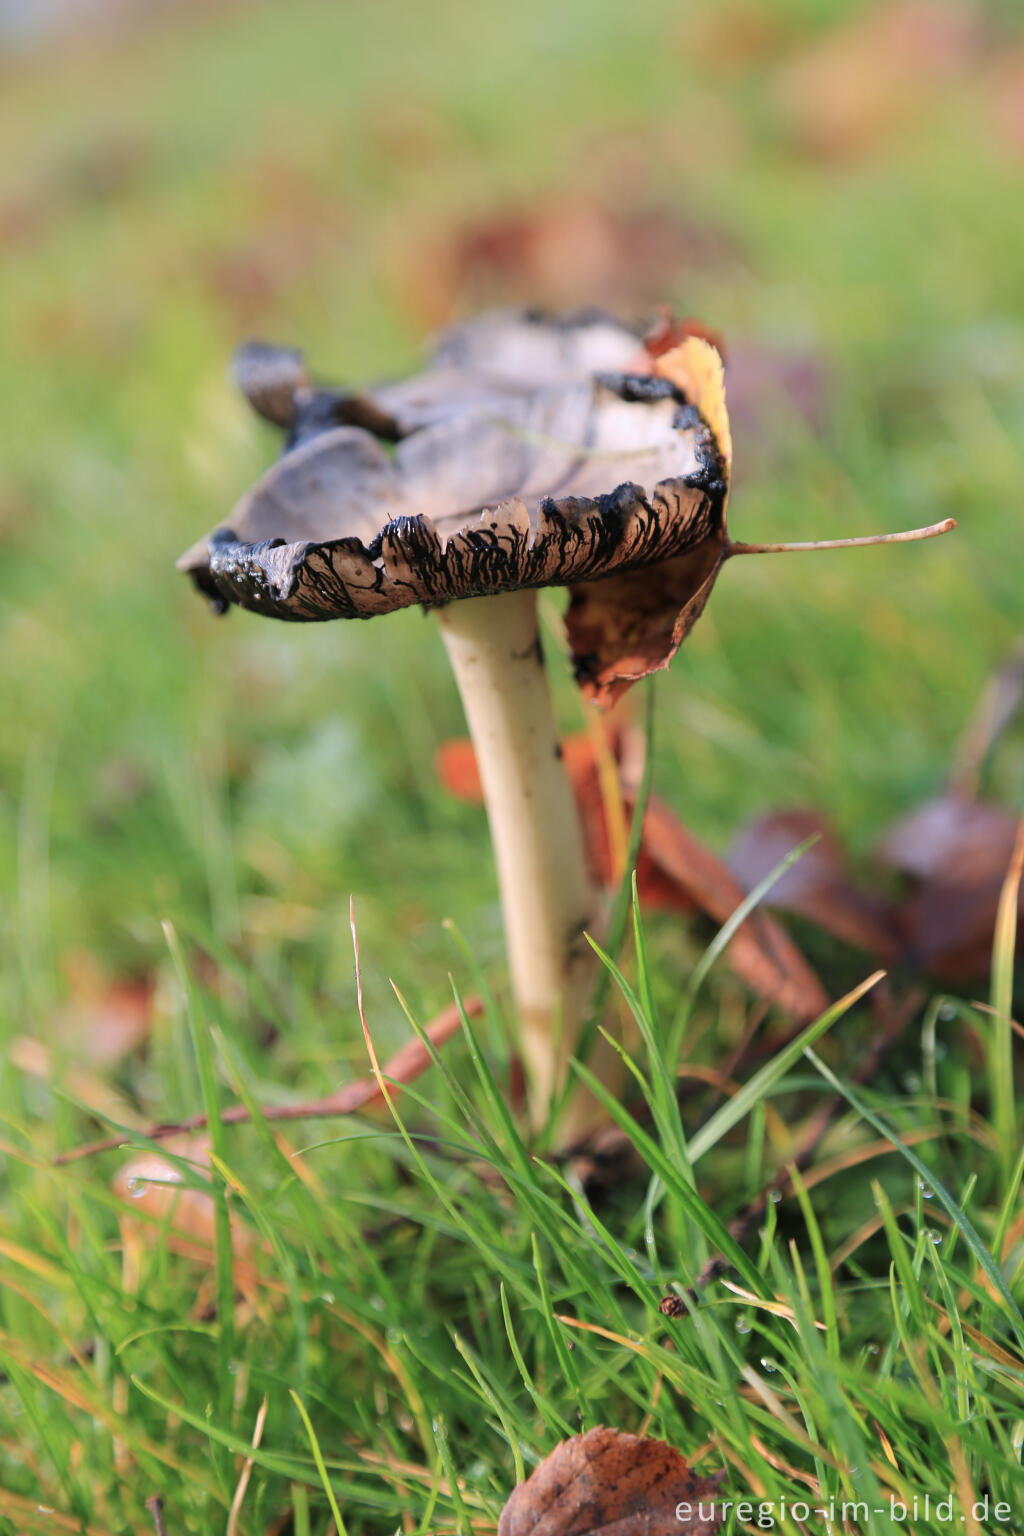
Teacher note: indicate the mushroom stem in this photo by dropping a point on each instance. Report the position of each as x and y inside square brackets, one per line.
[547, 902]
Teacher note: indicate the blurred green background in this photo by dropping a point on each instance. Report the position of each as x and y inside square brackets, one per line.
[835, 189]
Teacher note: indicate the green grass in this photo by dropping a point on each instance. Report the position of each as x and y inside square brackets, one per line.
[405, 1284]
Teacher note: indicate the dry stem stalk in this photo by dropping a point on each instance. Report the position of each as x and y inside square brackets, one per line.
[494, 647]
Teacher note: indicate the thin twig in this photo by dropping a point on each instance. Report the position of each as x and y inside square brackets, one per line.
[155, 1505]
[246, 1472]
[344, 1101]
[908, 536]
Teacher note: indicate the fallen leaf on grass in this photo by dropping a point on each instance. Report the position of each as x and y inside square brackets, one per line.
[761, 952]
[956, 853]
[818, 886]
[953, 852]
[94, 175]
[950, 835]
[457, 770]
[91, 1089]
[873, 72]
[159, 1194]
[550, 252]
[606, 1483]
[1004, 93]
[99, 1024]
[104, 1019]
[739, 35]
[292, 226]
[675, 872]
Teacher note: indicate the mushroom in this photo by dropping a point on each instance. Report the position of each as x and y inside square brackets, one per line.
[532, 452]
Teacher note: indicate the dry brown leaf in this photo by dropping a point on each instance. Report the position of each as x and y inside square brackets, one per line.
[956, 852]
[760, 952]
[632, 623]
[158, 1193]
[607, 1483]
[104, 1020]
[90, 1088]
[675, 872]
[552, 252]
[868, 76]
[818, 886]
[457, 770]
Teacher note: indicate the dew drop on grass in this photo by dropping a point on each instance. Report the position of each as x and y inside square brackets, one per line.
[327, 1297]
[947, 1013]
[775, 1196]
[45, 1509]
[926, 1190]
[768, 1364]
[933, 1236]
[743, 1323]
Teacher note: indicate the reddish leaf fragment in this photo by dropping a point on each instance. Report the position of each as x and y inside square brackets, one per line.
[457, 770]
[102, 1020]
[606, 1483]
[675, 872]
[761, 953]
[817, 886]
[667, 333]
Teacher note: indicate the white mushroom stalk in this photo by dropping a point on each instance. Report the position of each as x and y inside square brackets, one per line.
[493, 644]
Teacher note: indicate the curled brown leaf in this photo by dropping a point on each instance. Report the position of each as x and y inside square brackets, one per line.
[818, 886]
[955, 853]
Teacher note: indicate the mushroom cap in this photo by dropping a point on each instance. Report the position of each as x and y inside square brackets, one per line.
[531, 452]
